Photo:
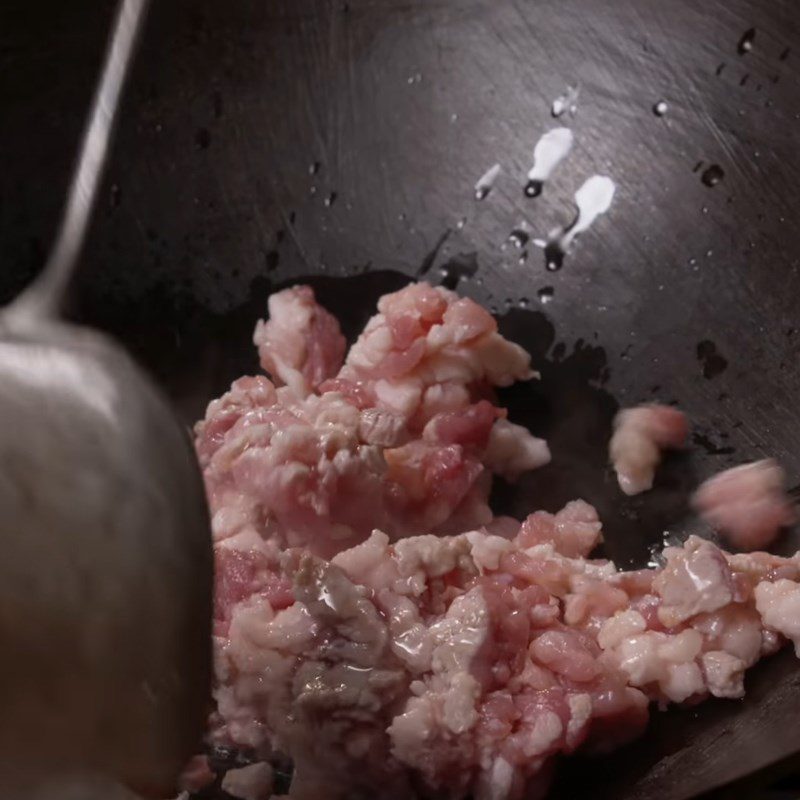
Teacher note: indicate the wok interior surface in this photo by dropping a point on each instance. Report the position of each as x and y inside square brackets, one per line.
[338, 143]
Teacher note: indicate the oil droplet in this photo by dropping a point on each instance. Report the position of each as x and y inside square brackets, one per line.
[461, 223]
[461, 267]
[485, 183]
[712, 175]
[565, 102]
[660, 108]
[545, 294]
[657, 559]
[313, 167]
[592, 199]
[331, 199]
[709, 253]
[553, 257]
[523, 256]
[533, 188]
[705, 209]
[519, 237]
[523, 302]
[746, 42]
[692, 262]
[313, 190]
[713, 363]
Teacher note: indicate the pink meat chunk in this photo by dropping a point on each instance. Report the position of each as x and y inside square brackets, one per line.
[779, 606]
[428, 351]
[696, 579]
[574, 531]
[748, 505]
[512, 451]
[301, 344]
[640, 436]
[468, 662]
[389, 441]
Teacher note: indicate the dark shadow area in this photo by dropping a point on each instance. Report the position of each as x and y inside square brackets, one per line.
[191, 352]
[571, 409]
[195, 354]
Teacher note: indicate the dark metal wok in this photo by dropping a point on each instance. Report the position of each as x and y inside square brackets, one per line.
[340, 141]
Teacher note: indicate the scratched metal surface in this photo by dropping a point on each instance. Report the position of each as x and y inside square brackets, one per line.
[341, 140]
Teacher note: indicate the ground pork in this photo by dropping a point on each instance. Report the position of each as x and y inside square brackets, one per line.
[401, 438]
[377, 626]
[469, 662]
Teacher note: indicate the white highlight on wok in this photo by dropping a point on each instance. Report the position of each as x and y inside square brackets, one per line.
[485, 183]
[551, 149]
[592, 199]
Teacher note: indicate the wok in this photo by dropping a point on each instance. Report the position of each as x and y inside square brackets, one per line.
[339, 142]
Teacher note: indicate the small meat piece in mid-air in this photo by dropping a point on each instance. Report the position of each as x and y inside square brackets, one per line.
[748, 505]
[640, 434]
